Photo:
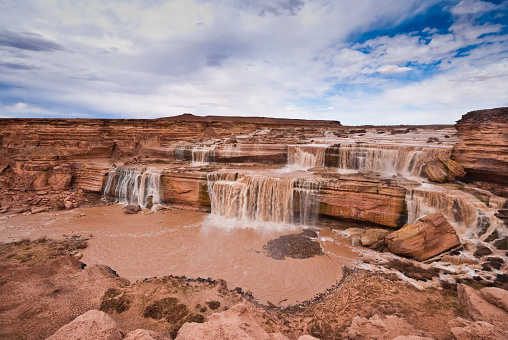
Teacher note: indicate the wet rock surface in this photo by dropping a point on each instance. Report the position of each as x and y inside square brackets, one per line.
[296, 246]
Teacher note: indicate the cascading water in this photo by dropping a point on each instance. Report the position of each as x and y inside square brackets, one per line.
[405, 159]
[197, 154]
[468, 214]
[261, 199]
[307, 156]
[133, 186]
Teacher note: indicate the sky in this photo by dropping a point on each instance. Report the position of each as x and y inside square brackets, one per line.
[377, 62]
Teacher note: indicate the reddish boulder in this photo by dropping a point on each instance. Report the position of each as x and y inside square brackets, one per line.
[428, 237]
[480, 309]
[143, 334]
[467, 330]
[496, 296]
[235, 323]
[443, 170]
[92, 325]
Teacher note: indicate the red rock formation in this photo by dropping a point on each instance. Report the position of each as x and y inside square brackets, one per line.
[483, 150]
[365, 199]
[429, 236]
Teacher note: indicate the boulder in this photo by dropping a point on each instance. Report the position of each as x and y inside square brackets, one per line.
[381, 328]
[482, 250]
[92, 325]
[468, 330]
[131, 209]
[428, 237]
[236, 323]
[373, 236]
[480, 309]
[59, 181]
[143, 334]
[443, 170]
[501, 244]
[68, 205]
[41, 182]
[496, 296]
[36, 210]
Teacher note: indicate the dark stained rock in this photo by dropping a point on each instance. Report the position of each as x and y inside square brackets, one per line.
[297, 246]
[482, 250]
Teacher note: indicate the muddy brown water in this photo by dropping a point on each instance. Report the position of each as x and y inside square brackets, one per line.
[194, 244]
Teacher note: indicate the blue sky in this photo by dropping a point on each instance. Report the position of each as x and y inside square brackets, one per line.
[356, 61]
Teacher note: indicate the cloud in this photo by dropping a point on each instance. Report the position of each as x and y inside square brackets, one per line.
[14, 66]
[28, 41]
[391, 69]
[353, 61]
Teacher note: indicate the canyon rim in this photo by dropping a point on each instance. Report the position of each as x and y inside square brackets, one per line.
[411, 221]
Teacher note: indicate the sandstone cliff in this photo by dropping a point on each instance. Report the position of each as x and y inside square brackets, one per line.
[483, 149]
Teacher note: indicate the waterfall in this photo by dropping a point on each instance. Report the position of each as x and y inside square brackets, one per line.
[197, 154]
[464, 211]
[307, 156]
[133, 186]
[262, 199]
[387, 158]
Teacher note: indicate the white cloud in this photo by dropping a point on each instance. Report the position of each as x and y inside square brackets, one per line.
[270, 58]
[390, 69]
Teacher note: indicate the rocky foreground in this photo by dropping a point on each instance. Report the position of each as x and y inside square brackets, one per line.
[47, 292]
[435, 196]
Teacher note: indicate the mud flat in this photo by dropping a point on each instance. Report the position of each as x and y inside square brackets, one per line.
[178, 242]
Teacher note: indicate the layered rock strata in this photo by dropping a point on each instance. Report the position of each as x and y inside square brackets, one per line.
[483, 149]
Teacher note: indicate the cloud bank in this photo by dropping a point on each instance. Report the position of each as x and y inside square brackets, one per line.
[366, 62]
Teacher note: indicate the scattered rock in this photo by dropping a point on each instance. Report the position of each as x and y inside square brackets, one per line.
[92, 325]
[143, 334]
[410, 270]
[68, 205]
[379, 328]
[372, 236]
[36, 210]
[468, 330]
[236, 323]
[356, 240]
[482, 250]
[480, 309]
[428, 237]
[501, 244]
[496, 296]
[131, 209]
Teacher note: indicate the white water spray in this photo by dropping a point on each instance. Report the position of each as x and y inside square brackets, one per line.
[249, 198]
[133, 186]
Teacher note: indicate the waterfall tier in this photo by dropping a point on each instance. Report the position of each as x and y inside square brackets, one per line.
[388, 158]
[467, 213]
[307, 156]
[133, 186]
[197, 154]
[262, 198]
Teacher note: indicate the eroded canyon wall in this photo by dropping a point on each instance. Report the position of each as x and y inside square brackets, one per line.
[483, 149]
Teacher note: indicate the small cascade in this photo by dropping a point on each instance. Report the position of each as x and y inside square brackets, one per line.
[464, 211]
[197, 154]
[263, 199]
[405, 159]
[307, 156]
[133, 186]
